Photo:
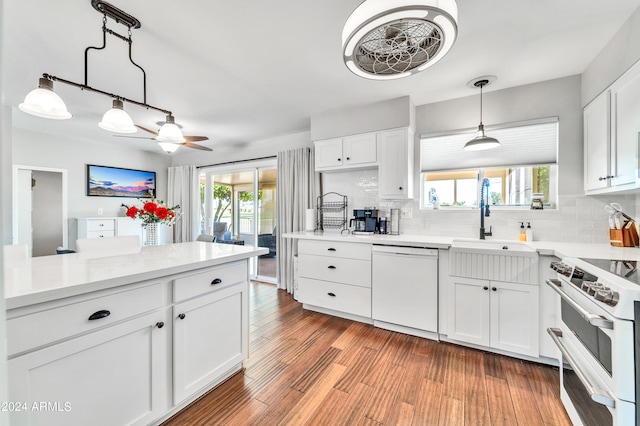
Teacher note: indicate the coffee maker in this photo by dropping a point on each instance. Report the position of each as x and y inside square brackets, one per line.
[364, 221]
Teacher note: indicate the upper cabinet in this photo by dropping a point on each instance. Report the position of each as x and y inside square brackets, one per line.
[611, 137]
[348, 152]
[390, 150]
[395, 167]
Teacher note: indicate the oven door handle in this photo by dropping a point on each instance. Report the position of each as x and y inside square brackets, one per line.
[592, 319]
[598, 395]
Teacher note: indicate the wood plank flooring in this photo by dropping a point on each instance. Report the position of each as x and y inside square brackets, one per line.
[306, 368]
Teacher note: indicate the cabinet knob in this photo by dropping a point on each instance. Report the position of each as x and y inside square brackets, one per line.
[182, 316]
[485, 288]
[160, 324]
[331, 267]
[610, 177]
[400, 188]
[348, 158]
[331, 294]
[100, 314]
[494, 289]
[339, 159]
[602, 178]
[101, 224]
[216, 281]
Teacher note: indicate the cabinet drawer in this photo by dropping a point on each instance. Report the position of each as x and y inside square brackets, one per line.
[44, 327]
[339, 297]
[101, 234]
[347, 271]
[335, 249]
[101, 225]
[210, 280]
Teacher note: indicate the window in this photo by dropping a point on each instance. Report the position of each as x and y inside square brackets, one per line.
[521, 169]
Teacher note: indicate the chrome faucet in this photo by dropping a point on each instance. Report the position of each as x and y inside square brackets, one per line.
[484, 208]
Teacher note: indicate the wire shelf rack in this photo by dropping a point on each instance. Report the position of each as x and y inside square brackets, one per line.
[332, 212]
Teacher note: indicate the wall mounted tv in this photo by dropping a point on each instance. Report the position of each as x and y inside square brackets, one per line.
[103, 181]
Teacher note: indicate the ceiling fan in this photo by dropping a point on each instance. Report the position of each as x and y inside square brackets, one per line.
[187, 139]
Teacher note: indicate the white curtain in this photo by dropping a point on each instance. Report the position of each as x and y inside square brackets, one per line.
[185, 191]
[298, 187]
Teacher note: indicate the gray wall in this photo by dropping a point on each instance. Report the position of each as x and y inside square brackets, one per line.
[32, 148]
[390, 114]
[46, 219]
[559, 97]
[618, 55]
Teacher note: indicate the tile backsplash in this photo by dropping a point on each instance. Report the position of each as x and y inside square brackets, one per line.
[578, 218]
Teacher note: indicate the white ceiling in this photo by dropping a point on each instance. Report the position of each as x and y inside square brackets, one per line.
[243, 71]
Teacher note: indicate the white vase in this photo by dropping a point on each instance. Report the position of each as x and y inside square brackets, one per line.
[151, 237]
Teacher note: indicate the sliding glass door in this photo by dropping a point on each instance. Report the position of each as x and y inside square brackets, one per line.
[239, 207]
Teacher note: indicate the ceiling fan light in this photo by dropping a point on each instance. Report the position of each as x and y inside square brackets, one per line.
[169, 147]
[169, 132]
[117, 120]
[383, 41]
[44, 102]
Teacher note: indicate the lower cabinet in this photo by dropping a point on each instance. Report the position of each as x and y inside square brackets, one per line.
[209, 338]
[114, 376]
[494, 314]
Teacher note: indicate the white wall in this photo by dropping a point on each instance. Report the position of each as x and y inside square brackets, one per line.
[32, 148]
[245, 151]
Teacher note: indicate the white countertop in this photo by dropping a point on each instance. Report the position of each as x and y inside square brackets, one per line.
[549, 248]
[41, 279]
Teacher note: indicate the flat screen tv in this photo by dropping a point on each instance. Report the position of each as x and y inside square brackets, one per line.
[103, 181]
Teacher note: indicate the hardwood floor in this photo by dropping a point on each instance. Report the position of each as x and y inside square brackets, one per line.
[314, 369]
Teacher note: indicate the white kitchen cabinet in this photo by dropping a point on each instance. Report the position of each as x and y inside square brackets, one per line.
[395, 169]
[335, 276]
[96, 227]
[611, 137]
[355, 151]
[494, 314]
[113, 376]
[101, 227]
[210, 338]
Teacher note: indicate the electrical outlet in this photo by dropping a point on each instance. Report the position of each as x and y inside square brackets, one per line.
[406, 213]
[100, 212]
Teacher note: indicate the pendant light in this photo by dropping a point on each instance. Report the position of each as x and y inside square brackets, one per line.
[170, 132]
[44, 102]
[383, 40]
[117, 120]
[481, 141]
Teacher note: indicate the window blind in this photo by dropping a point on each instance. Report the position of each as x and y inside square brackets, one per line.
[527, 143]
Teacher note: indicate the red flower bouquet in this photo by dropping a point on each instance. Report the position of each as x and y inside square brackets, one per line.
[153, 211]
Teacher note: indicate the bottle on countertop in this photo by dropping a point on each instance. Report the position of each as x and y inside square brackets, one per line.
[522, 236]
[529, 232]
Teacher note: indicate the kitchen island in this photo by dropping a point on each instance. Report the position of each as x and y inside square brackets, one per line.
[128, 339]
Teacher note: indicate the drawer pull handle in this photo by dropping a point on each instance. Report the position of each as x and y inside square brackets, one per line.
[182, 316]
[160, 324]
[331, 294]
[99, 315]
[331, 249]
[331, 267]
[216, 281]
[485, 288]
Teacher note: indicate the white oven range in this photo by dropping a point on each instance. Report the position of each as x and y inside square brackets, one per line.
[597, 338]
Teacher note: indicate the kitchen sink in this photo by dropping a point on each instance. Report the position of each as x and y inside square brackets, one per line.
[492, 246]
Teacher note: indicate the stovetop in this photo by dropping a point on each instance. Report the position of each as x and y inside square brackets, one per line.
[626, 269]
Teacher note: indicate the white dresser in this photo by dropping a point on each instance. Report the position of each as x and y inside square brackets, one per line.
[100, 227]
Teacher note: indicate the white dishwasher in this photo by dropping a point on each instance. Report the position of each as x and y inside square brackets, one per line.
[405, 288]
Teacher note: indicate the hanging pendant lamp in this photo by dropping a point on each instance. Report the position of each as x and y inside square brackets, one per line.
[44, 102]
[481, 141]
[117, 120]
[170, 132]
[384, 40]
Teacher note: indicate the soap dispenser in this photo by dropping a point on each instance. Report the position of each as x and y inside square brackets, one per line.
[523, 233]
[529, 232]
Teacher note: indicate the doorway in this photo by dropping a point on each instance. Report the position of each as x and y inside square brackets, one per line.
[40, 209]
[239, 207]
